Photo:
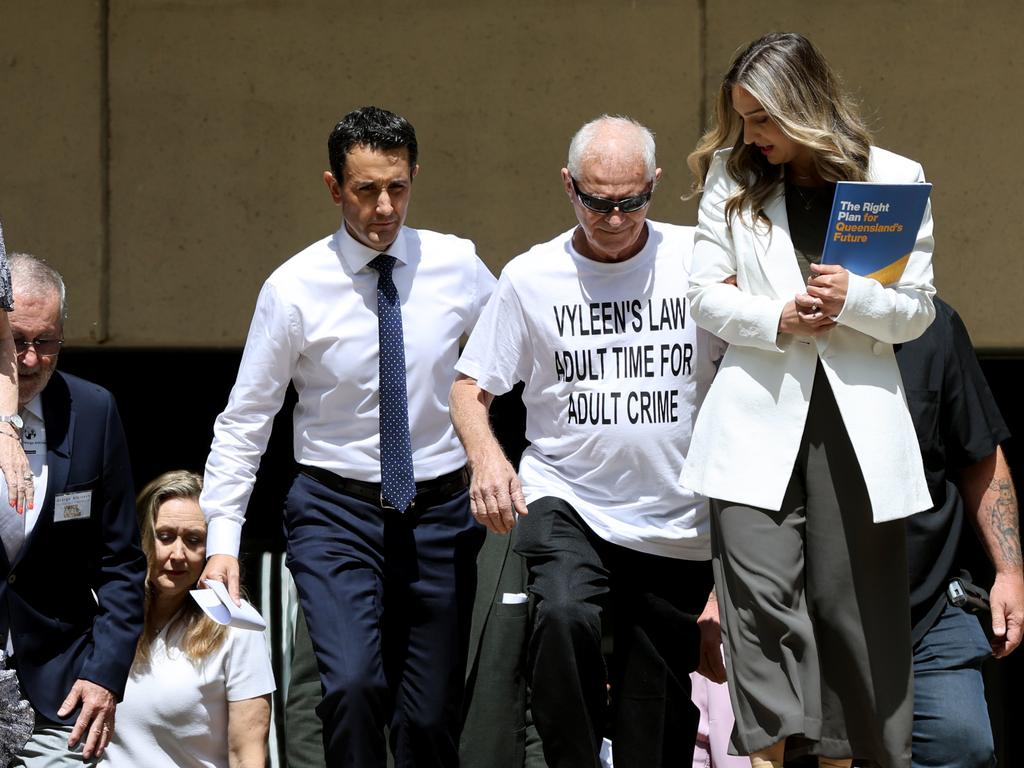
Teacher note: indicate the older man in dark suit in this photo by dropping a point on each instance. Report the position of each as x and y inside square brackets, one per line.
[71, 571]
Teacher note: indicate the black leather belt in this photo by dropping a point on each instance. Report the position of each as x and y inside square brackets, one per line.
[428, 492]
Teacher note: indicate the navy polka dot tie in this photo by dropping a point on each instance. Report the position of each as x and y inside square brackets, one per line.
[398, 484]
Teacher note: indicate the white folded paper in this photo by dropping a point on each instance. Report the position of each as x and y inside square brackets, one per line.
[218, 605]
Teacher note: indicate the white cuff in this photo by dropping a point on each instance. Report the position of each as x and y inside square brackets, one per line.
[223, 537]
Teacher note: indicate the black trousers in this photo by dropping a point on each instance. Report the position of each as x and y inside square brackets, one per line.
[643, 700]
[387, 598]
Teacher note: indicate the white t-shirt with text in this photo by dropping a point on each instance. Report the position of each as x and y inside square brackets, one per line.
[614, 370]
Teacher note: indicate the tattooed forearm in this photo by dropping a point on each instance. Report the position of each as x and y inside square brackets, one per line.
[1004, 520]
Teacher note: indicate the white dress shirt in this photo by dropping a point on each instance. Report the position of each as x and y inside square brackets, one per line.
[315, 324]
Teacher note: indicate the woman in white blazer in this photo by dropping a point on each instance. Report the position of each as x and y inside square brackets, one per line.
[804, 442]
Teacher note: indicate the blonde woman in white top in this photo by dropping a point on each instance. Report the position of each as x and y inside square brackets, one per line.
[199, 692]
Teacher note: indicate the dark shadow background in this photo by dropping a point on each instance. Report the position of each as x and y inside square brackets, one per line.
[169, 399]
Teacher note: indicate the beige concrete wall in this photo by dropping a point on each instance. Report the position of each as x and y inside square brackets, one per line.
[52, 163]
[208, 127]
[220, 114]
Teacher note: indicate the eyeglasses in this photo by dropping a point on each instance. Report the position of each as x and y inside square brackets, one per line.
[603, 205]
[43, 347]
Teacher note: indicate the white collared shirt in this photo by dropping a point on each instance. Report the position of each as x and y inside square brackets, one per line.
[315, 324]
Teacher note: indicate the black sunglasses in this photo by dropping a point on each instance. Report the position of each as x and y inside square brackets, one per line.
[43, 347]
[603, 205]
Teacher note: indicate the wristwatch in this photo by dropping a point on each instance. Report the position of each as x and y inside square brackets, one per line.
[14, 420]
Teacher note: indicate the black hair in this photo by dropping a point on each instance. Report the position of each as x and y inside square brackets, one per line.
[371, 127]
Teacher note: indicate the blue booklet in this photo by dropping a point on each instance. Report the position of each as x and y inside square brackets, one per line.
[873, 227]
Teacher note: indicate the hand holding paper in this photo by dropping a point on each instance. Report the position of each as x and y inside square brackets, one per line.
[218, 605]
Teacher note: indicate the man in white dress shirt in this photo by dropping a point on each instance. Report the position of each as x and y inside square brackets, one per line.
[595, 323]
[366, 324]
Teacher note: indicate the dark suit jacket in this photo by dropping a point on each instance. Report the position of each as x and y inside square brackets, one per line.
[60, 631]
[497, 730]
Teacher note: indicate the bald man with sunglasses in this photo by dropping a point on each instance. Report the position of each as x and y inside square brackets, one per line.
[596, 325]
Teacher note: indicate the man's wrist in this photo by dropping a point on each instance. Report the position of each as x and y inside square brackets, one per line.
[14, 421]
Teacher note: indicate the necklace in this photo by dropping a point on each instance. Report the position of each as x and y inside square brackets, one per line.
[807, 200]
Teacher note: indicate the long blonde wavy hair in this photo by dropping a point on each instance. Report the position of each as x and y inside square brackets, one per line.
[801, 93]
[201, 635]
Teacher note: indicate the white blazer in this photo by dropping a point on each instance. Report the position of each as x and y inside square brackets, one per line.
[748, 431]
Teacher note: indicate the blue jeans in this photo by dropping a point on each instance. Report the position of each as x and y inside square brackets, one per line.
[951, 724]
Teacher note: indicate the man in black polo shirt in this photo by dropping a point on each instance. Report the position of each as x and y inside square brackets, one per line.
[960, 430]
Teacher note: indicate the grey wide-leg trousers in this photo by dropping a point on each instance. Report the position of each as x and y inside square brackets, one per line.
[814, 608]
